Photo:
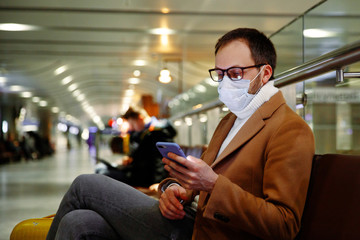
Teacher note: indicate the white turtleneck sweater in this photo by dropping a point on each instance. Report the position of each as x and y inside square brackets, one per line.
[265, 93]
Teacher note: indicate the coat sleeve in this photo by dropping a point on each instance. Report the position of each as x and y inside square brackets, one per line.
[277, 214]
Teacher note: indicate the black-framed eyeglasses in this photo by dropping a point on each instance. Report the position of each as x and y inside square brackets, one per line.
[234, 73]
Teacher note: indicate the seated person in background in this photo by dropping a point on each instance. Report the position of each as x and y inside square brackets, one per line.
[112, 164]
[143, 166]
[250, 183]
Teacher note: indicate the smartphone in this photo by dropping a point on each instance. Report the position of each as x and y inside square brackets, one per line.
[166, 147]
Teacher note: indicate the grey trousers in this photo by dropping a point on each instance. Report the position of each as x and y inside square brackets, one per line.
[98, 207]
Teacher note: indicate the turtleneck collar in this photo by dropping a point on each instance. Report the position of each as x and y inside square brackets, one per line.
[265, 93]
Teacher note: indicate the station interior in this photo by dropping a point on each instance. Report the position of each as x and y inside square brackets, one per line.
[70, 69]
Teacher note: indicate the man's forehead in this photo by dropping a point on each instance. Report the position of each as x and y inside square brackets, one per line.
[235, 53]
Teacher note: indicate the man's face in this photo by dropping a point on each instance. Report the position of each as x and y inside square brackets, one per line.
[237, 54]
[136, 124]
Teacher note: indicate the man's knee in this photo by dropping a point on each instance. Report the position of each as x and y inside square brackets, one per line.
[87, 179]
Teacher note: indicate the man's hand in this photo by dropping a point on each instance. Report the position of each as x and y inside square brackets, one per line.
[196, 176]
[169, 202]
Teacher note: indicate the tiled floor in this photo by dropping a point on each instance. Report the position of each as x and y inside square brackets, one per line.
[34, 189]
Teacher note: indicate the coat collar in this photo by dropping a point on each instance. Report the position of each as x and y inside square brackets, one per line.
[252, 126]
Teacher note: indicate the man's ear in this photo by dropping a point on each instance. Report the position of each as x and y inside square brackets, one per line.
[267, 74]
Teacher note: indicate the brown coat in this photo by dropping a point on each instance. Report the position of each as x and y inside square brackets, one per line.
[263, 176]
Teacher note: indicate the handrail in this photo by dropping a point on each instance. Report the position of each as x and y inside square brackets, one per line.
[333, 60]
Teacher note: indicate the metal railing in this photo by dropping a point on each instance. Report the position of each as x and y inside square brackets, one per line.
[334, 60]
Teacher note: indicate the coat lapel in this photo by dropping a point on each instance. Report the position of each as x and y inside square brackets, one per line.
[247, 131]
[218, 137]
[252, 126]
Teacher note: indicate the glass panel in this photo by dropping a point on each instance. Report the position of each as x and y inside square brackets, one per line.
[289, 46]
[194, 98]
[337, 22]
[332, 110]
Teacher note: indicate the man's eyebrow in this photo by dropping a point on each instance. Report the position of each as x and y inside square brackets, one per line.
[216, 67]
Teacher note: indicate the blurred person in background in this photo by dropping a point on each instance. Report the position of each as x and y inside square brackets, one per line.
[142, 166]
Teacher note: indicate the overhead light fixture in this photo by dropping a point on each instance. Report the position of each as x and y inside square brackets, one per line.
[72, 87]
[140, 63]
[81, 97]
[165, 76]
[17, 27]
[60, 70]
[16, 88]
[134, 80]
[36, 99]
[165, 10]
[26, 94]
[318, 33]
[66, 80]
[55, 109]
[137, 73]
[76, 93]
[162, 31]
[43, 103]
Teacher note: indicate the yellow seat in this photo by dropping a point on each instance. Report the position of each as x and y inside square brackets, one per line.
[32, 229]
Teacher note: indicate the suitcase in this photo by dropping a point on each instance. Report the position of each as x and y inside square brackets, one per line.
[32, 229]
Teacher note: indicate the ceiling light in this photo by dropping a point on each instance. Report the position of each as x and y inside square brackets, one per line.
[72, 87]
[66, 80]
[134, 80]
[81, 97]
[164, 76]
[96, 119]
[137, 73]
[318, 33]
[17, 27]
[55, 109]
[2, 79]
[165, 10]
[60, 70]
[140, 63]
[35, 99]
[26, 94]
[16, 88]
[76, 93]
[162, 31]
[43, 103]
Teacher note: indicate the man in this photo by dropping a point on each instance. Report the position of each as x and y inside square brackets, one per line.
[142, 167]
[251, 183]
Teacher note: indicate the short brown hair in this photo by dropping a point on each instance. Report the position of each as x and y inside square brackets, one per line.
[262, 49]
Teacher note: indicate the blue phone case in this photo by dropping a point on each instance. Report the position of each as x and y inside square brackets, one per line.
[166, 147]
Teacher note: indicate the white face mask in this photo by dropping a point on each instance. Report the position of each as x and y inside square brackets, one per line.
[234, 94]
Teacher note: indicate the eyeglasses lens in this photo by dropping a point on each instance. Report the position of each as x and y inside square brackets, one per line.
[235, 73]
